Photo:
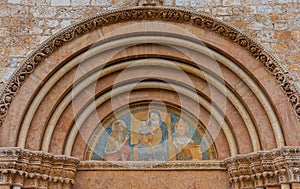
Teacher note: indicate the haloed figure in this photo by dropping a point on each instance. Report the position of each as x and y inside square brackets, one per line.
[159, 131]
[116, 148]
[185, 147]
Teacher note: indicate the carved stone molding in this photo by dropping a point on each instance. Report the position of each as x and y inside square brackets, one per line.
[145, 165]
[262, 169]
[138, 14]
[34, 169]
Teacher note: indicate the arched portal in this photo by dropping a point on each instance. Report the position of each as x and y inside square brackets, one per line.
[88, 92]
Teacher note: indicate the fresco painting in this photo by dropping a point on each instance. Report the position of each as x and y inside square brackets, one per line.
[150, 135]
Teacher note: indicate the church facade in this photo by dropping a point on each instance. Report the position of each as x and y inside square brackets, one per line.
[150, 97]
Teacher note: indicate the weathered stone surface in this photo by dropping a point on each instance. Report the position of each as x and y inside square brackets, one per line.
[152, 179]
[231, 2]
[281, 15]
[43, 12]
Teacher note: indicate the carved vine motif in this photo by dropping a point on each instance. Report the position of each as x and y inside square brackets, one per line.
[31, 169]
[145, 13]
[261, 169]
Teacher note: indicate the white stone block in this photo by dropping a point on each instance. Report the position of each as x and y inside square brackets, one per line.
[101, 2]
[14, 1]
[80, 2]
[52, 23]
[43, 11]
[60, 3]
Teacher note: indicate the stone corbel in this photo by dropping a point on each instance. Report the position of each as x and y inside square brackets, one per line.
[35, 169]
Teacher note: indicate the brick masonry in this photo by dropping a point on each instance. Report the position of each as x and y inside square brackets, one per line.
[24, 24]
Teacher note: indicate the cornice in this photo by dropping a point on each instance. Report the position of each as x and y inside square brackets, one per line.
[35, 169]
[152, 166]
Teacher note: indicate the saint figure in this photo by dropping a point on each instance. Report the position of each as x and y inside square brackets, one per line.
[159, 131]
[116, 148]
[185, 147]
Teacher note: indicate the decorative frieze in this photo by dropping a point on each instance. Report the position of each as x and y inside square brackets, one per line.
[35, 169]
[154, 165]
[265, 168]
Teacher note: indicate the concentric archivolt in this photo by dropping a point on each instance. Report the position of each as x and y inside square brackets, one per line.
[139, 63]
[114, 51]
[146, 39]
[164, 14]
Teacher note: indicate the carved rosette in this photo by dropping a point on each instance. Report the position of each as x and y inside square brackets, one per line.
[34, 169]
[262, 169]
[147, 13]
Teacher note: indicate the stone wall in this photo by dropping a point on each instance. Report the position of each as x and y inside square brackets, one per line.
[24, 24]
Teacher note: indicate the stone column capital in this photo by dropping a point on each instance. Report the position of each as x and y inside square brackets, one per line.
[265, 168]
[36, 169]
